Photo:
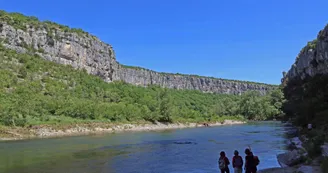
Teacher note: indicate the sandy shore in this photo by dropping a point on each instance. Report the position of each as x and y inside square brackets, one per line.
[80, 129]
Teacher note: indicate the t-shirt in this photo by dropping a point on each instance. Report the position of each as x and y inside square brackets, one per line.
[234, 159]
[250, 162]
[226, 161]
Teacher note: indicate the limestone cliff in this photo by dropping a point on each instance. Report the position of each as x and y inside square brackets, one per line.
[81, 50]
[312, 60]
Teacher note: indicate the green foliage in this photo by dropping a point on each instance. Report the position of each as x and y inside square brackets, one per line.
[313, 145]
[36, 91]
[307, 101]
[312, 44]
[22, 72]
[324, 164]
[41, 50]
[20, 21]
[255, 107]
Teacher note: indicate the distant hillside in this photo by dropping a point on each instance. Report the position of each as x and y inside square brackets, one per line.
[81, 50]
[36, 91]
[52, 74]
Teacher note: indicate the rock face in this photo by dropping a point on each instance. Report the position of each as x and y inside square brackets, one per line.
[291, 158]
[84, 51]
[294, 157]
[300, 169]
[312, 60]
[325, 149]
[144, 77]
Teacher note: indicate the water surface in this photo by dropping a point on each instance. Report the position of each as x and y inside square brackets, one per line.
[192, 150]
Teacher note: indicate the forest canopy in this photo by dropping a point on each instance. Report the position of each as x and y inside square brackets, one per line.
[36, 91]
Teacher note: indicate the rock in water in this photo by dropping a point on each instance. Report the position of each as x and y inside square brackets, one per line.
[309, 169]
[291, 158]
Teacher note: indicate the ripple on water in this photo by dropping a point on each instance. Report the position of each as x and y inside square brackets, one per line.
[175, 151]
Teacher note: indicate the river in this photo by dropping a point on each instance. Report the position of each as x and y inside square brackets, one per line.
[192, 150]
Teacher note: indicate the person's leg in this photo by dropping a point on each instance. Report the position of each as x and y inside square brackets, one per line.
[227, 170]
[237, 170]
[255, 170]
[222, 170]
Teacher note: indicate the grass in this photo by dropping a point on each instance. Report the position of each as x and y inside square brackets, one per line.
[324, 165]
[20, 21]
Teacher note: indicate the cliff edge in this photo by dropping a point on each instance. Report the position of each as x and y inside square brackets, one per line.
[312, 59]
[82, 50]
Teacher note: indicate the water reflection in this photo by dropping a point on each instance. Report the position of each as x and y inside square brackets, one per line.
[184, 150]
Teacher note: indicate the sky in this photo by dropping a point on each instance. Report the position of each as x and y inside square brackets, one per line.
[253, 40]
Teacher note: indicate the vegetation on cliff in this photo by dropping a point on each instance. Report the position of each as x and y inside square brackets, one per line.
[31, 23]
[307, 97]
[20, 21]
[307, 101]
[36, 91]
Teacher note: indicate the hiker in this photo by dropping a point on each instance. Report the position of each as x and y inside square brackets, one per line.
[205, 124]
[251, 162]
[223, 163]
[237, 162]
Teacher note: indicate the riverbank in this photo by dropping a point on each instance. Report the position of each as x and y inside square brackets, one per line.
[303, 155]
[298, 169]
[50, 131]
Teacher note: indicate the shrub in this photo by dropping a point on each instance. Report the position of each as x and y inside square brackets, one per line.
[55, 90]
[324, 164]
[313, 145]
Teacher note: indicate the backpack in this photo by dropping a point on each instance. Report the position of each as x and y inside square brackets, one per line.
[256, 160]
[222, 164]
[238, 161]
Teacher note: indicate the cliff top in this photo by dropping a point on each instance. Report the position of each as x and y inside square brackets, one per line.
[22, 22]
[309, 58]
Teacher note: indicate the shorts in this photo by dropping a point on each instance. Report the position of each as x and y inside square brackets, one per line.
[251, 170]
[237, 170]
[226, 170]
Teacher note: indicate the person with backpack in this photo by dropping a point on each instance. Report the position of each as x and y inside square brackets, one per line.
[223, 163]
[251, 162]
[237, 162]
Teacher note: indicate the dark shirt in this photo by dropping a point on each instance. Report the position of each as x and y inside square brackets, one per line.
[233, 161]
[250, 162]
[226, 161]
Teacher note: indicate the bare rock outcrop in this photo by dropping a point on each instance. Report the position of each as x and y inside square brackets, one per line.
[312, 59]
[81, 50]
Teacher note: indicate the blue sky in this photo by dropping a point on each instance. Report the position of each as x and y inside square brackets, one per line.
[251, 40]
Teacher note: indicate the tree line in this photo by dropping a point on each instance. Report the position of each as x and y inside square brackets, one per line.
[36, 91]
